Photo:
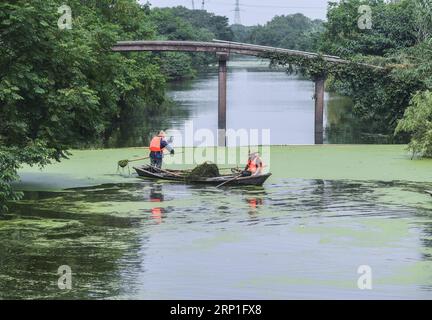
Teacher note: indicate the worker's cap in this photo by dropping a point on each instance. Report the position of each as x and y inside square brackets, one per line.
[162, 134]
[254, 154]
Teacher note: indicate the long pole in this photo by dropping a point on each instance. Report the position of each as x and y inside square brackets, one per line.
[231, 180]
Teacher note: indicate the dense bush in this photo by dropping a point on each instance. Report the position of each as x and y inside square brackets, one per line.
[418, 122]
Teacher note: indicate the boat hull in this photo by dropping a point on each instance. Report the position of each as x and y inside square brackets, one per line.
[146, 172]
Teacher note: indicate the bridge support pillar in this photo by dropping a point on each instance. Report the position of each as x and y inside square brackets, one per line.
[319, 110]
[222, 99]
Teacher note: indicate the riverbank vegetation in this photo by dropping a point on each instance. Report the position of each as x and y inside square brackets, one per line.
[397, 37]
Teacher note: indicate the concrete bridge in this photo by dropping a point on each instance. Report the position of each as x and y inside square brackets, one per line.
[223, 49]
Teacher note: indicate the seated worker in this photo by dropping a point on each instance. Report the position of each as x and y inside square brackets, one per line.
[157, 146]
[254, 165]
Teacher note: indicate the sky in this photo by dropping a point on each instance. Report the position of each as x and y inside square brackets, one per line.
[253, 11]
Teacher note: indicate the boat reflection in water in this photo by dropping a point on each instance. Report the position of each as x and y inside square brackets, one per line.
[254, 205]
[156, 196]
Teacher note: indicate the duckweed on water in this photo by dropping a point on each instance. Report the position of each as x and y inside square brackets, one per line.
[330, 162]
[333, 206]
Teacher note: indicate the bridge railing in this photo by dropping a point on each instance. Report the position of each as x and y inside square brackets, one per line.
[217, 46]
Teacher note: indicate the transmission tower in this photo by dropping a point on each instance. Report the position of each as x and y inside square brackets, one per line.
[237, 19]
[203, 5]
[193, 5]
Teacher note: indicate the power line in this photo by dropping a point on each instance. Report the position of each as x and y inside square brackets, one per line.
[270, 6]
[281, 7]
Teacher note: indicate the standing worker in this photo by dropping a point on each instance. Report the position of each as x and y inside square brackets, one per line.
[157, 146]
[254, 165]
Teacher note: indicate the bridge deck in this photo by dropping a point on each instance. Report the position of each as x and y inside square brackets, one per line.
[217, 46]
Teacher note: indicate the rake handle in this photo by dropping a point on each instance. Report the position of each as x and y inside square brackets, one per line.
[139, 159]
[231, 180]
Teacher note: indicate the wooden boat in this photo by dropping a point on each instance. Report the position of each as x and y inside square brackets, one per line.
[180, 176]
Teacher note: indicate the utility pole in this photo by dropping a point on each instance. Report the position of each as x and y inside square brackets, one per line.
[237, 19]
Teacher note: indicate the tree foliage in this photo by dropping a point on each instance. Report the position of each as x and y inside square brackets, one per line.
[169, 26]
[294, 31]
[63, 88]
[180, 23]
[418, 122]
[204, 21]
[392, 28]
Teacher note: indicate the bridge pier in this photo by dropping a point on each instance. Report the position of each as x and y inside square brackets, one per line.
[222, 99]
[319, 110]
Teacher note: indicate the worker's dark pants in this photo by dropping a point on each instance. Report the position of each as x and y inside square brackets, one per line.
[246, 173]
[156, 162]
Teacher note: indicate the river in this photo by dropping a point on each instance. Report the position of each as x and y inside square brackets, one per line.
[328, 217]
[260, 97]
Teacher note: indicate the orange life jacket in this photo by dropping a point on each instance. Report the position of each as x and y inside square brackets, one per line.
[155, 144]
[252, 165]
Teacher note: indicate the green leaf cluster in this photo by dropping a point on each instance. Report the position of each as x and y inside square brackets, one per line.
[294, 31]
[417, 121]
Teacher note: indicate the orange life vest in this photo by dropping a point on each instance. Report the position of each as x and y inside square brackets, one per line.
[155, 144]
[252, 165]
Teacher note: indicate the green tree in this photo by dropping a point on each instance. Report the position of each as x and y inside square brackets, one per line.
[218, 26]
[393, 28]
[294, 31]
[66, 88]
[417, 121]
[394, 41]
[170, 26]
[242, 33]
[180, 23]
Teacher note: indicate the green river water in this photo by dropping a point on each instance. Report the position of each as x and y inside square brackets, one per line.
[325, 211]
